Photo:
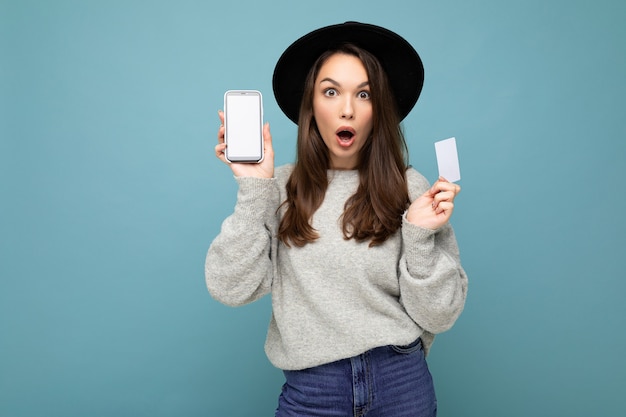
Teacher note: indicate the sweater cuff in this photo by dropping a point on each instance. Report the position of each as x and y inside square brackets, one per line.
[418, 244]
[256, 195]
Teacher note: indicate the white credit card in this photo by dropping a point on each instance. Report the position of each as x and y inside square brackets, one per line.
[448, 159]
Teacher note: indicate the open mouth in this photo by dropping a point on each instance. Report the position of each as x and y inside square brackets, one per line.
[345, 135]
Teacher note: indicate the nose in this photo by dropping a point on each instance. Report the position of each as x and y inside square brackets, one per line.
[347, 109]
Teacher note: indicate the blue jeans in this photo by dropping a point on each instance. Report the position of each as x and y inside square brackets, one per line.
[389, 381]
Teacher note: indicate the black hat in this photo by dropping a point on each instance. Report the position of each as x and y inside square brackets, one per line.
[399, 59]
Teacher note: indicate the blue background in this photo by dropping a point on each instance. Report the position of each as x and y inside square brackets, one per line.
[111, 194]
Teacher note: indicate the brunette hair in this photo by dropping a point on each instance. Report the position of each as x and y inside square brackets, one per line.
[375, 210]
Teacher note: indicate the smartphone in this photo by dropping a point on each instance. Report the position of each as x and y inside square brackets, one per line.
[243, 123]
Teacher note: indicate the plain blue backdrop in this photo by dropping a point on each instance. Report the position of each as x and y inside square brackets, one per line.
[111, 194]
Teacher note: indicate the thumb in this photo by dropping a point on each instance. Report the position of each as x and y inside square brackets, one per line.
[267, 137]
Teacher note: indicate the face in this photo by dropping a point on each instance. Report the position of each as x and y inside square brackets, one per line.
[342, 108]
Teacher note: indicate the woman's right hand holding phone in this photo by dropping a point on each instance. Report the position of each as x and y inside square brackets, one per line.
[264, 169]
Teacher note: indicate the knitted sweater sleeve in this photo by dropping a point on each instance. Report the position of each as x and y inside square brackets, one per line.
[238, 267]
[433, 284]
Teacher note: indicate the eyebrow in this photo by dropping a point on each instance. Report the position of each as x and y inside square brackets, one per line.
[330, 80]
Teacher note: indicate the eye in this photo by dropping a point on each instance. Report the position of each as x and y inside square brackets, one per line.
[364, 95]
[330, 92]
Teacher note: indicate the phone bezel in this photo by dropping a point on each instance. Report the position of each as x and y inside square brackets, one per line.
[248, 158]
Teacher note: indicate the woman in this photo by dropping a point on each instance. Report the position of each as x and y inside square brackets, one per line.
[353, 244]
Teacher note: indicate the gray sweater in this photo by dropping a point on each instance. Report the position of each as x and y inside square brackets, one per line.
[335, 298]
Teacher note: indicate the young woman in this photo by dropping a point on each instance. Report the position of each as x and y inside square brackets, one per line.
[353, 244]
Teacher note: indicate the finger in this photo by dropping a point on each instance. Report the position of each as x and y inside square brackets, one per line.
[437, 186]
[221, 130]
[444, 207]
[220, 134]
[267, 140]
[219, 151]
[455, 188]
[442, 197]
[444, 186]
[267, 135]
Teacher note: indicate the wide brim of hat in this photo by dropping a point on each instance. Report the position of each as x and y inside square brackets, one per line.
[399, 59]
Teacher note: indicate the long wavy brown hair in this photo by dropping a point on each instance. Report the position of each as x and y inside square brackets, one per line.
[375, 210]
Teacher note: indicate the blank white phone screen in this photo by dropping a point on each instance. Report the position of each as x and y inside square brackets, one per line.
[244, 127]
